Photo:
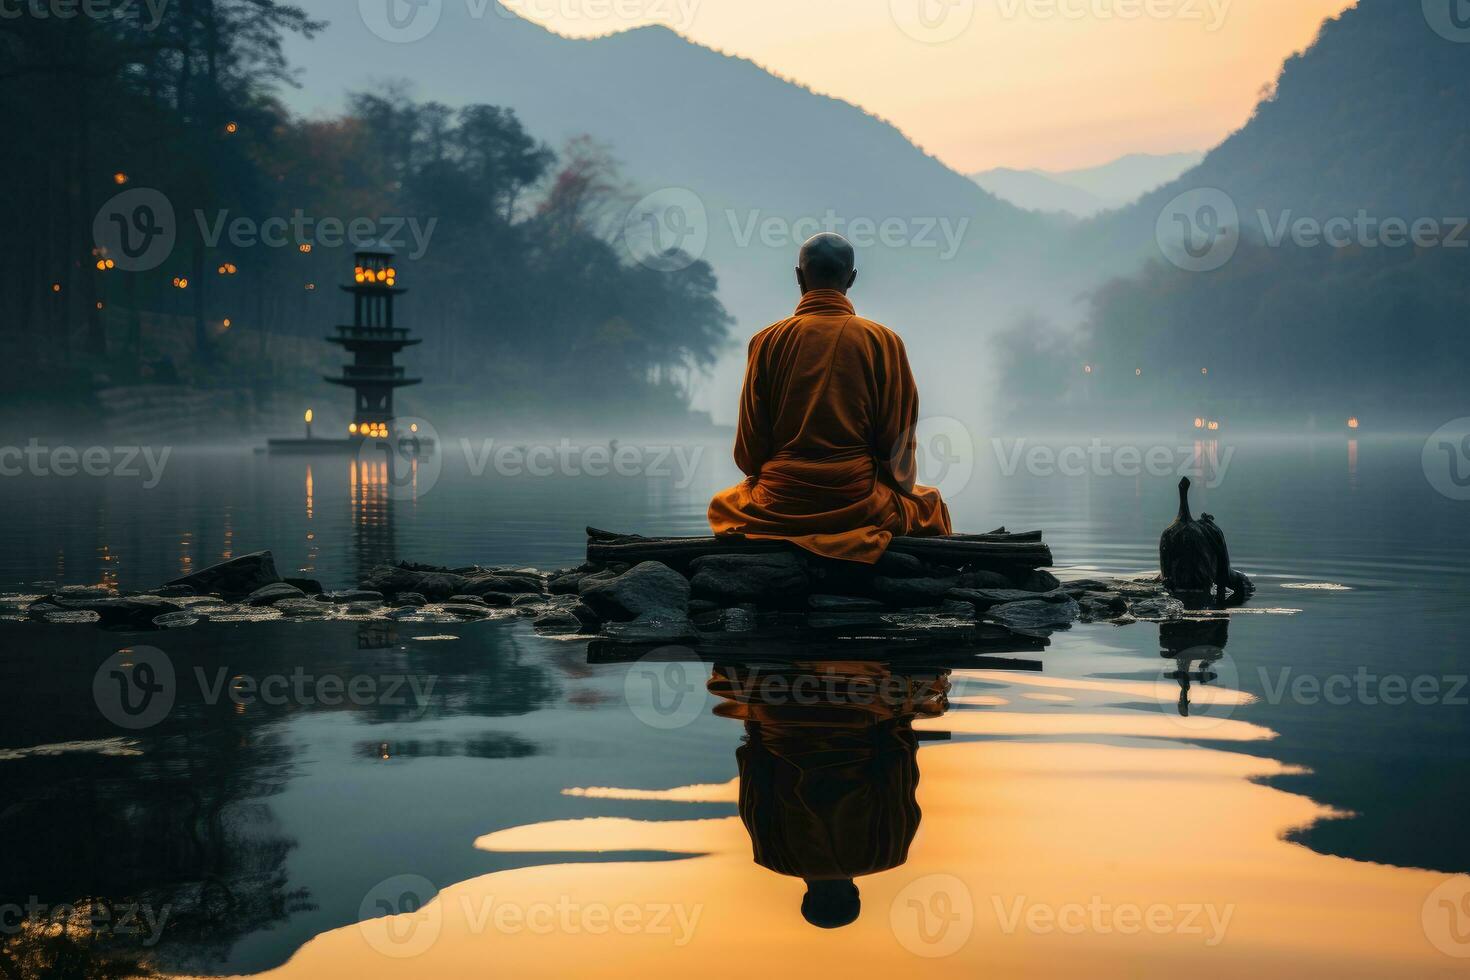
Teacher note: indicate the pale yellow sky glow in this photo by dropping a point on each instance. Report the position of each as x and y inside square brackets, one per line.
[983, 83]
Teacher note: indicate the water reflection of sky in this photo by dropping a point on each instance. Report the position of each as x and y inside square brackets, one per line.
[528, 779]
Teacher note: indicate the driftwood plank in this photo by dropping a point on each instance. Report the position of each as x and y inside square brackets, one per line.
[1009, 551]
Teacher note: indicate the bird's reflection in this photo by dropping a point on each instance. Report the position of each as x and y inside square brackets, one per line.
[829, 770]
[1196, 646]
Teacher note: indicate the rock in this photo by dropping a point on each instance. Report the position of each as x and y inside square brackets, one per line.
[85, 592]
[234, 578]
[558, 622]
[271, 594]
[984, 578]
[409, 599]
[1078, 587]
[435, 584]
[465, 610]
[1111, 601]
[1040, 580]
[1037, 614]
[174, 592]
[653, 628]
[896, 565]
[1140, 590]
[41, 609]
[1160, 609]
[134, 611]
[303, 608]
[309, 586]
[844, 604]
[350, 595]
[62, 617]
[699, 607]
[508, 583]
[566, 584]
[650, 589]
[986, 599]
[364, 608]
[769, 579]
[527, 601]
[586, 616]
[472, 600]
[178, 620]
[912, 592]
[739, 619]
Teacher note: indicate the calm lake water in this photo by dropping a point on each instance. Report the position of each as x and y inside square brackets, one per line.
[527, 810]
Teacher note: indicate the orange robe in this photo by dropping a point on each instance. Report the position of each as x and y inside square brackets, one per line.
[826, 438]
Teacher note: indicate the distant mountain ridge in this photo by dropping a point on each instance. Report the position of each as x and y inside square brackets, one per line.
[767, 161]
[1086, 192]
[1364, 131]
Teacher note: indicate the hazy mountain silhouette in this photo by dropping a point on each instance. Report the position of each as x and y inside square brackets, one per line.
[1366, 126]
[1090, 190]
[760, 153]
[1370, 117]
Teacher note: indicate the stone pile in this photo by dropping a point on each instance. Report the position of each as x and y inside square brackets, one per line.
[638, 602]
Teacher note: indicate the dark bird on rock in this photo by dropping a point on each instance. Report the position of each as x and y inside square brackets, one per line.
[1194, 556]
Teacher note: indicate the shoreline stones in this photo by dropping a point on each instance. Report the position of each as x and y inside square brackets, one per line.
[764, 593]
[649, 589]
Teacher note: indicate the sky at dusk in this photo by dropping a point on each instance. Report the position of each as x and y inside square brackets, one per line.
[1055, 84]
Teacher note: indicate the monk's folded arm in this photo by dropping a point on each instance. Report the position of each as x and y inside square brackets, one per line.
[753, 438]
[898, 418]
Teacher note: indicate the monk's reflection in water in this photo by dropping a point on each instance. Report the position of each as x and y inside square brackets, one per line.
[828, 771]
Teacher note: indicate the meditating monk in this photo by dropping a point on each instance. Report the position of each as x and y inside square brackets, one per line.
[827, 421]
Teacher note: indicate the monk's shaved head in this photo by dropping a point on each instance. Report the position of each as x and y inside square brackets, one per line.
[827, 261]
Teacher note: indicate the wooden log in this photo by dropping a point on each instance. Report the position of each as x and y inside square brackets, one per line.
[999, 551]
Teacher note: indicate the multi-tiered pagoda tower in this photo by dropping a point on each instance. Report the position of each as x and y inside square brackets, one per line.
[374, 341]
